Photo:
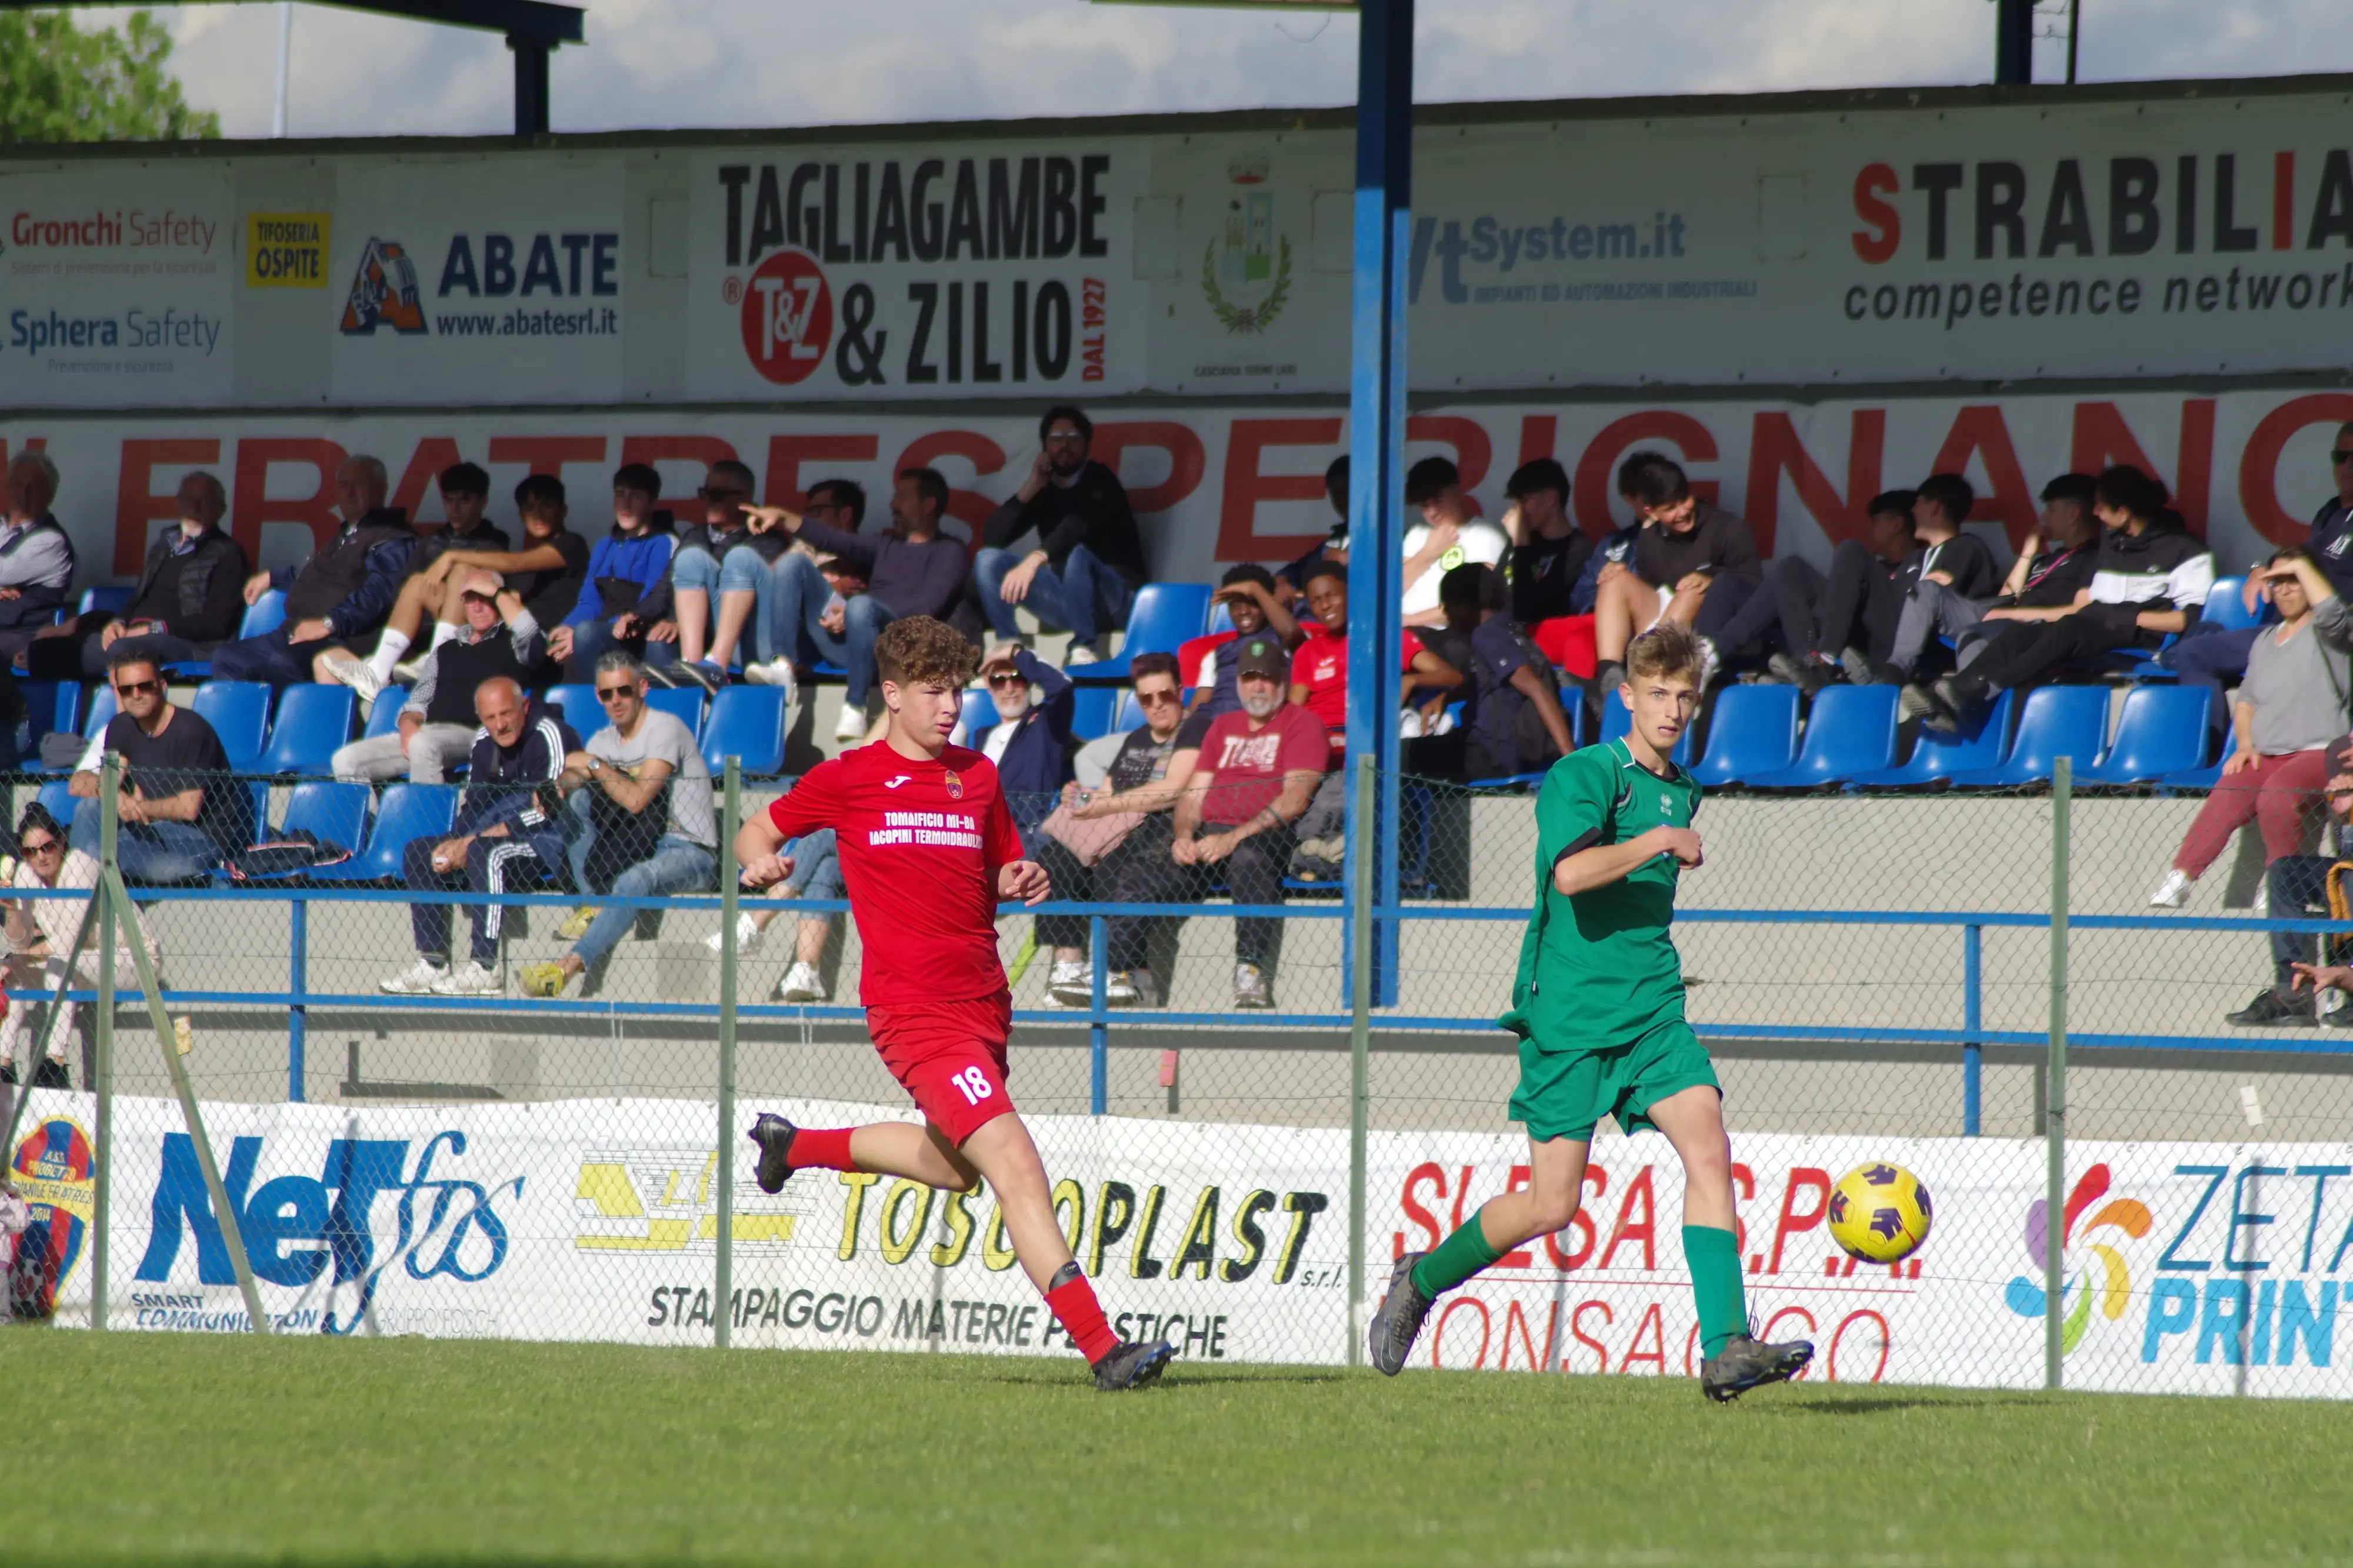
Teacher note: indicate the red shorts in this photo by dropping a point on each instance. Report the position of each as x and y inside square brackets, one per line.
[950, 1056]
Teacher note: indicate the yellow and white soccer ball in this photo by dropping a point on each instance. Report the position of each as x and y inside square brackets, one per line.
[1879, 1213]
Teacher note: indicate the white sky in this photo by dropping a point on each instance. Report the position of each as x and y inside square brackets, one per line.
[665, 63]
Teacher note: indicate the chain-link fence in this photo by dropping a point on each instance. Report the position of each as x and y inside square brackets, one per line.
[507, 1096]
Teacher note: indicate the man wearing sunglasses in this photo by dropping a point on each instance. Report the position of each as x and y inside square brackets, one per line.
[1031, 745]
[1083, 571]
[640, 795]
[713, 593]
[437, 723]
[179, 813]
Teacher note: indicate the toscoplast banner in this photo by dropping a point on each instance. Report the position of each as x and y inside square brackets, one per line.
[2188, 1267]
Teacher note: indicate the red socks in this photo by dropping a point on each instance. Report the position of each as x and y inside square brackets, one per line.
[1074, 1306]
[823, 1148]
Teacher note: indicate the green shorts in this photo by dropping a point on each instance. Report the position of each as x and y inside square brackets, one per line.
[1563, 1094]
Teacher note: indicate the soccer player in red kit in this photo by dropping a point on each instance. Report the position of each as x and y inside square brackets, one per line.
[928, 847]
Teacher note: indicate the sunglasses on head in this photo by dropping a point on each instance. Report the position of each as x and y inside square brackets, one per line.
[133, 688]
[613, 693]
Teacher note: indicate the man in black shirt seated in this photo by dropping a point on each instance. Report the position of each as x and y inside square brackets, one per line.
[191, 594]
[1850, 616]
[180, 814]
[1548, 550]
[1088, 563]
[2053, 565]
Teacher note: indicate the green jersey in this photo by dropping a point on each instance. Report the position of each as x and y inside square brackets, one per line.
[1597, 969]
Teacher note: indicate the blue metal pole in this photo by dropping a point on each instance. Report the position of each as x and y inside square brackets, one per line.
[1098, 1030]
[298, 983]
[1376, 396]
[1972, 1026]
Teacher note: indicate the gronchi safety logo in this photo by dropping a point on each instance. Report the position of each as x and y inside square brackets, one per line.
[2100, 1276]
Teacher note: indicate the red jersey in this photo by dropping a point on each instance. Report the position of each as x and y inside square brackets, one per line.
[920, 844]
[1321, 665]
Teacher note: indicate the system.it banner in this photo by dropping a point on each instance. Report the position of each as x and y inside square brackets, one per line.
[904, 270]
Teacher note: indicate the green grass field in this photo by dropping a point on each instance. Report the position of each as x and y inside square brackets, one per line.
[154, 1446]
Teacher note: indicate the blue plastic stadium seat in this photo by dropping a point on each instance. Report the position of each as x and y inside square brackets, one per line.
[406, 811]
[51, 707]
[238, 711]
[337, 813]
[1163, 616]
[1221, 619]
[1125, 715]
[108, 598]
[1616, 721]
[2161, 731]
[266, 614]
[383, 719]
[311, 722]
[2225, 608]
[1936, 758]
[102, 709]
[575, 703]
[2199, 779]
[748, 723]
[57, 795]
[1091, 709]
[683, 703]
[1753, 731]
[2055, 721]
[979, 714]
[1850, 731]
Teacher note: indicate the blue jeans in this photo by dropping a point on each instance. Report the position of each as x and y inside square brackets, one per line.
[149, 851]
[591, 640]
[269, 657]
[692, 571]
[1084, 598]
[817, 868]
[677, 866]
[798, 596]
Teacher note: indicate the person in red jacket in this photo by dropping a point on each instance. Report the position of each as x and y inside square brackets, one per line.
[927, 848]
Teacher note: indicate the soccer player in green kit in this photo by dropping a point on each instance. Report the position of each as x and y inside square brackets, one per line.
[1598, 1007]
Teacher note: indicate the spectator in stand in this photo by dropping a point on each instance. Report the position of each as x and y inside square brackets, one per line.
[1254, 603]
[1949, 556]
[2209, 656]
[179, 813]
[508, 837]
[1319, 683]
[1512, 724]
[913, 570]
[2298, 884]
[1029, 744]
[424, 597]
[624, 567]
[1445, 537]
[1114, 844]
[640, 795]
[437, 723]
[41, 936]
[1613, 557]
[1695, 565]
[2152, 578]
[1334, 546]
[1821, 619]
[37, 558]
[1549, 551]
[1258, 771]
[2053, 566]
[338, 598]
[190, 596]
[2290, 709]
[815, 876]
[718, 580]
[1083, 571]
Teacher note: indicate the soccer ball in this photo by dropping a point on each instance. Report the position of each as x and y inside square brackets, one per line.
[1879, 1213]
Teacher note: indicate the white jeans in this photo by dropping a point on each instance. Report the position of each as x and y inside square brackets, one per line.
[382, 758]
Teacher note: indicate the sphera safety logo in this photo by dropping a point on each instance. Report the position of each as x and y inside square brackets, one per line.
[787, 315]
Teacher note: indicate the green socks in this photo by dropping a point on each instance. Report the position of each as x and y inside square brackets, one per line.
[1714, 1258]
[1455, 1259]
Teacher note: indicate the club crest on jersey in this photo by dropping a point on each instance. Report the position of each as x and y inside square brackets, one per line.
[955, 785]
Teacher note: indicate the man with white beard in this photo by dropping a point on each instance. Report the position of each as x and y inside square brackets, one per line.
[1258, 770]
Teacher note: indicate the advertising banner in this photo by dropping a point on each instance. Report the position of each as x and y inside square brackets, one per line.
[907, 271]
[117, 292]
[2189, 1267]
[1226, 482]
[460, 274]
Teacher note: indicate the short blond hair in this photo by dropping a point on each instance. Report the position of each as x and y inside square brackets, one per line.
[1666, 648]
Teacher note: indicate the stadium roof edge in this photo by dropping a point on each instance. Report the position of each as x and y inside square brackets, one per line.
[1426, 116]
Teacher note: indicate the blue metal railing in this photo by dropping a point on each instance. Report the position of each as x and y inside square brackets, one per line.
[1099, 1017]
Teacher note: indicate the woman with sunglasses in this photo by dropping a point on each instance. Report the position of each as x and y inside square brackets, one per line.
[40, 931]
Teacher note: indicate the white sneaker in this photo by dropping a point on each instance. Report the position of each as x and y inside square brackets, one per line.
[1251, 988]
[851, 725]
[2170, 891]
[408, 670]
[801, 983]
[2263, 906]
[470, 978]
[774, 672]
[418, 980]
[1119, 988]
[1080, 653]
[357, 674]
[1072, 982]
[1709, 661]
[748, 937]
